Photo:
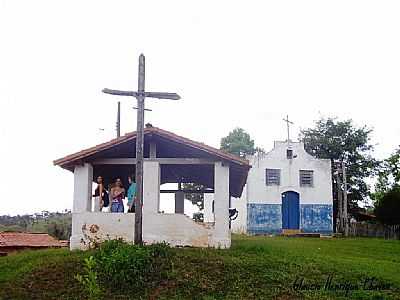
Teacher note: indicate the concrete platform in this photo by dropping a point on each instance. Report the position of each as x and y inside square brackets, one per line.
[290, 231]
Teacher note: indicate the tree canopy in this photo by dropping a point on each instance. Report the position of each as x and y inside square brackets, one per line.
[342, 141]
[389, 175]
[387, 208]
[238, 142]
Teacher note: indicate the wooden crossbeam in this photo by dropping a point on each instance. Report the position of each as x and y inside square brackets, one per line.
[158, 95]
[187, 191]
[162, 161]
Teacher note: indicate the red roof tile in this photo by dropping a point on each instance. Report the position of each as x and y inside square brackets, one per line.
[24, 239]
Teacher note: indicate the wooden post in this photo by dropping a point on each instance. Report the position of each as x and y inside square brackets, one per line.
[139, 152]
[339, 199]
[345, 218]
[119, 120]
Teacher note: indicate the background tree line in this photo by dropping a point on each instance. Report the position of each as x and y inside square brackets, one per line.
[57, 224]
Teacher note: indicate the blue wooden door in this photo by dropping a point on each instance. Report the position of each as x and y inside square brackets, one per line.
[290, 210]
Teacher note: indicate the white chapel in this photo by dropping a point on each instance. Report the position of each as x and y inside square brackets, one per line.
[287, 191]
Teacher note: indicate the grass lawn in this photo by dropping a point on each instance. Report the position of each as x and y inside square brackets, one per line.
[254, 268]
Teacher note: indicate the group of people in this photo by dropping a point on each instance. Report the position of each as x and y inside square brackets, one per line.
[110, 199]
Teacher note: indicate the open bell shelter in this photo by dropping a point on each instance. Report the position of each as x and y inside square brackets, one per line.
[168, 158]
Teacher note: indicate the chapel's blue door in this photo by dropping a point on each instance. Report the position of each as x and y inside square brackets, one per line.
[290, 210]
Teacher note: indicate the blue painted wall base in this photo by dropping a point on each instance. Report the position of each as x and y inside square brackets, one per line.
[264, 218]
[316, 218]
[267, 218]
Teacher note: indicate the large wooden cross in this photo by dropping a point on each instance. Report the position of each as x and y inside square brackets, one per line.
[140, 95]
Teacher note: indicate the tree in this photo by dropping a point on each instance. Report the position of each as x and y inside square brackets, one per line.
[389, 176]
[387, 208]
[238, 142]
[59, 229]
[342, 141]
[196, 199]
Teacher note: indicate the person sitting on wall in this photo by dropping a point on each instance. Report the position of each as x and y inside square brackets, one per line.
[131, 194]
[101, 198]
[117, 194]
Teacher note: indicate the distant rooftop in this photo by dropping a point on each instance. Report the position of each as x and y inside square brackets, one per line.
[31, 240]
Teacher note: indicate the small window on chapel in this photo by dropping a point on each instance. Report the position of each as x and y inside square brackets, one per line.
[289, 153]
[307, 178]
[273, 176]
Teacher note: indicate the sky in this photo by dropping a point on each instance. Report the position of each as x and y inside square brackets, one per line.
[234, 63]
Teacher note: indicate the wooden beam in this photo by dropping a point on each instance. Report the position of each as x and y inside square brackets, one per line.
[115, 161]
[187, 191]
[162, 161]
[185, 161]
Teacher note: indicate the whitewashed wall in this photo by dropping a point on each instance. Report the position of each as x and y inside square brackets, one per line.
[259, 192]
[208, 214]
[239, 225]
[176, 229]
[89, 227]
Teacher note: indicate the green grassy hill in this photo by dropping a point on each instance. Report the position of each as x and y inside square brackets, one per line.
[254, 268]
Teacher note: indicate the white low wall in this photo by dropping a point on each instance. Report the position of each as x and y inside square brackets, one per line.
[89, 228]
[96, 227]
[174, 229]
[239, 225]
[208, 213]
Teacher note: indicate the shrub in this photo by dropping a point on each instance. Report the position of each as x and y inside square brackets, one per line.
[89, 280]
[124, 266]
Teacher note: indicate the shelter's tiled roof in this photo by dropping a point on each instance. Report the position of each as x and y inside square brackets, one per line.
[79, 156]
[24, 239]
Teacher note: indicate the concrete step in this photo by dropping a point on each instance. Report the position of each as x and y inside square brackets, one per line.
[290, 231]
[314, 235]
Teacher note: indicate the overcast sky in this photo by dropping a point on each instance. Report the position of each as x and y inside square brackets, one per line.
[235, 63]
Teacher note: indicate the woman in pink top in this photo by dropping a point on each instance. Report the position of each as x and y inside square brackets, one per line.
[117, 196]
